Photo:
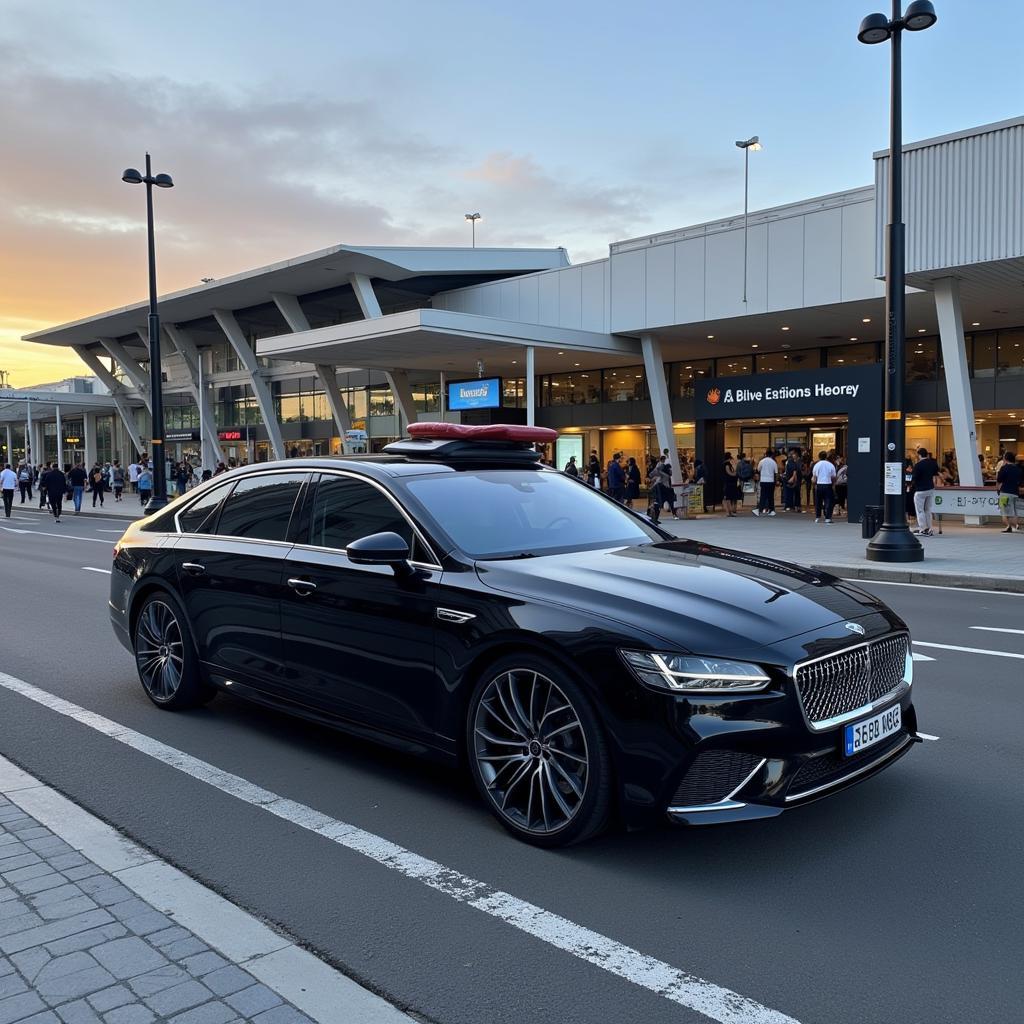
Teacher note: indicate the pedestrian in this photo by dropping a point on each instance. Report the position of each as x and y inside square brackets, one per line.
[76, 480]
[667, 491]
[133, 475]
[39, 483]
[8, 483]
[117, 479]
[25, 481]
[594, 470]
[823, 473]
[181, 477]
[616, 478]
[805, 476]
[732, 487]
[843, 483]
[925, 475]
[571, 469]
[96, 483]
[633, 480]
[55, 484]
[145, 484]
[1008, 481]
[767, 470]
[791, 482]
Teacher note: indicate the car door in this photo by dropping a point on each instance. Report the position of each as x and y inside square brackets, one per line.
[230, 559]
[358, 639]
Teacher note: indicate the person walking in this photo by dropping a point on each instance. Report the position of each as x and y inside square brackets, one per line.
[25, 481]
[731, 497]
[767, 471]
[133, 475]
[594, 470]
[145, 484]
[1008, 481]
[97, 484]
[791, 482]
[823, 473]
[54, 484]
[117, 479]
[842, 483]
[805, 477]
[571, 469]
[43, 470]
[8, 483]
[633, 480]
[925, 475]
[616, 478]
[76, 480]
[181, 477]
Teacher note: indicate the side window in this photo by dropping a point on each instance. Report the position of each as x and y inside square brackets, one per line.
[345, 509]
[260, 507]
[199, 516]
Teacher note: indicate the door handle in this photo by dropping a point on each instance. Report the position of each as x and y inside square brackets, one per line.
[193, 568]
[302, 587]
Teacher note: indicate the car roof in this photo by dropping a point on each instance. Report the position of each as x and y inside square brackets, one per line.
[382, 465]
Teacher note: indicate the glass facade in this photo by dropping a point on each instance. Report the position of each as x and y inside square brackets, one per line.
[734, 366]
[683, 376]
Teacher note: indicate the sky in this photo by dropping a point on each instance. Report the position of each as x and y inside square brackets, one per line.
[292, 126]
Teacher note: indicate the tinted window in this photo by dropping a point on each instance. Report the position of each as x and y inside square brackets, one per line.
[514, 511]
[345, 509]
[260, 506]
[198, 518]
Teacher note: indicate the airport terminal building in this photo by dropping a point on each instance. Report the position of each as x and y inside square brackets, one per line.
[672, 341]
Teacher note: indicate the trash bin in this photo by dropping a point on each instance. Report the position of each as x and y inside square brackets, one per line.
[871, 520]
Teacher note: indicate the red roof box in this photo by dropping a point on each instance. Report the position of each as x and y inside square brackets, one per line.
[483, 432]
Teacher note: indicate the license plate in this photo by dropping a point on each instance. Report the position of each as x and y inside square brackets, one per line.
[861, 735]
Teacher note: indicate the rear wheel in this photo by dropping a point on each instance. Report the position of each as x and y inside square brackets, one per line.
[538, 754]
[165, 655]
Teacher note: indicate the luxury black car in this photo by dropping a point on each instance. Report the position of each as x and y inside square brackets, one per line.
[455, 597]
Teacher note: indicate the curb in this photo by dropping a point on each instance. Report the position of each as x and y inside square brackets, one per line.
[960, 581]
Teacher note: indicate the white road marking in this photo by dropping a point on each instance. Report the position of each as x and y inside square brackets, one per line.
[90, 568]
[971, 650]
[932, 586]
[999, 629]
[921, 657]
[713, 1001]
[64, 536]
[92, 516]
[112, 531]
[927, 736]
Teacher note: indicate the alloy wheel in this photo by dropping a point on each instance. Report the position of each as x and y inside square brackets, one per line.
[531, 751]
[159, 650]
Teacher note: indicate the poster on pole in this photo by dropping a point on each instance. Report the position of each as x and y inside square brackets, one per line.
[894, 478]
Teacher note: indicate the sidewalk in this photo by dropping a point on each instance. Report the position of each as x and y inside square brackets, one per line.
[976, 557]
[135, 941]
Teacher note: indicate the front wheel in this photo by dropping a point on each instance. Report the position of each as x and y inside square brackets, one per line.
[165, 655]
[538, 754]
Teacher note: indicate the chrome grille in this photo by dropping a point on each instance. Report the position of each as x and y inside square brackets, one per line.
[845, 682]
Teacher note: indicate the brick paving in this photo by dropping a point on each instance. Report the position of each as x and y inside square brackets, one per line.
[78, 947]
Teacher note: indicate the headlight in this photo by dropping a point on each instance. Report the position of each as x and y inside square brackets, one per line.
[685, 673]
[908, 669]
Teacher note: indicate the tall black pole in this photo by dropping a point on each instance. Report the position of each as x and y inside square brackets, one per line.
[894, 542]
[159, 498]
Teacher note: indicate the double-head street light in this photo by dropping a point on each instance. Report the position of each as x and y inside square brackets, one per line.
[894, 542]
[159, 498]
[753, 143]
[473, 218]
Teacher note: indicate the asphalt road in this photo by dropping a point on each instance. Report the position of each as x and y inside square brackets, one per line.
[897, 900]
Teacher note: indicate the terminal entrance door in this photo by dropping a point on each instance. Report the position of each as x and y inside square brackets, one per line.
[757, 438]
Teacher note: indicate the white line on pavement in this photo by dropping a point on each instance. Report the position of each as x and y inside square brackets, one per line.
[970, 650]
[64, 536]
[90, 568]
[999, 629]
[921, 657]
[931, 586]
[927, 736]
[112, 531]
[89, 516]
[713, 1001]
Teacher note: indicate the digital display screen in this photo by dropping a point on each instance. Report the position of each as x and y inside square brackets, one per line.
[475, 394]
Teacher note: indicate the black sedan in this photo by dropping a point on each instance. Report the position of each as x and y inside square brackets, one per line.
[456, 598]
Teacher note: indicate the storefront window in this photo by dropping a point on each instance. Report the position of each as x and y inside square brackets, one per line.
[922, 359]
[683, 376]
[625, 384]
[575, 388]
[427, 397]
[382, 402]
[512, 392]
[1011, 353]
[223, 358]
[983, 354]
[734, 366]
[355, 399]
[772, 362]
[862, 354]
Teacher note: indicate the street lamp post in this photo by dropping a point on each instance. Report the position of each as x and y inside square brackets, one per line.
[894, 542]
[159, 498]
[753, 143]
[473, 218]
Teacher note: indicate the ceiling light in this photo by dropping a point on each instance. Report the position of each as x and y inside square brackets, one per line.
[710, 336]
[976, 324]
[561, 353]
[921, 330]
[514, 361]
[866, 320]
[787, 346]
[785, 328]
[840, 360]
[853, 339]
[575, 364]
[754, 346]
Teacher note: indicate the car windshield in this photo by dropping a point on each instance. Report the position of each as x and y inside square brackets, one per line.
[504, 513]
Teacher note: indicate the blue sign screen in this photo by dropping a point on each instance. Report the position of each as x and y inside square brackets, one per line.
[475, 394]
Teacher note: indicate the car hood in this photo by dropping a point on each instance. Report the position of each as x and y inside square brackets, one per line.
[699, 597]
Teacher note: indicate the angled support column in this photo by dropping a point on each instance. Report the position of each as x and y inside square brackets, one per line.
[398, 380]
[135, 372]
[116, 390]
[246, 356]
[295, 317]
[654, 369]
[190, 353]
[958, 382]
[364, 295]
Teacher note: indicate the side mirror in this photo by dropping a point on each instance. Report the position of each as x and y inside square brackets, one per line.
[380, 549]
